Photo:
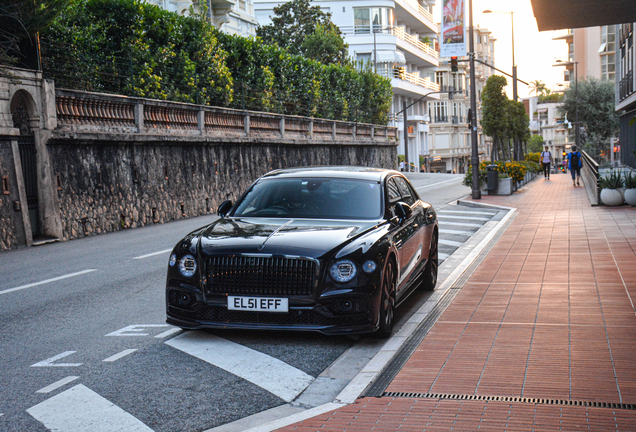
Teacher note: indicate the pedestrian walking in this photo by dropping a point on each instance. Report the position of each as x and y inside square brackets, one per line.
[402, 166]
[574, 164]
[546, 158]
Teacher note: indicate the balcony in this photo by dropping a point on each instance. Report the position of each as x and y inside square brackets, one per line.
[414, 14]
[414, 47]
[626, 86]
[413, 78]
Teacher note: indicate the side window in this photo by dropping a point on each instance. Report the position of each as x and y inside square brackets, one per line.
[405, 190]
[393, 195]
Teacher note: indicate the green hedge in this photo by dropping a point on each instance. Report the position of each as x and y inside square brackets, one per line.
[134, 48]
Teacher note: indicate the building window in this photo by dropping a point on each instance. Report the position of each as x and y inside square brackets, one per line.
[364, 18]
[439, 79]
[362, 59]
[440, 112]
[608, 67]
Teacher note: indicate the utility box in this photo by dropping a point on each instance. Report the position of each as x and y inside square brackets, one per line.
[492, 178]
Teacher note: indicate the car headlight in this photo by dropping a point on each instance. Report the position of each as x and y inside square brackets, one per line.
[369, 266]
[173, 260]
[187, 266]
[343, 271]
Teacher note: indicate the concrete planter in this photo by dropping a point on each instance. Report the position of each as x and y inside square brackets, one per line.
[505, 186]
[630, 197]
[612, 197]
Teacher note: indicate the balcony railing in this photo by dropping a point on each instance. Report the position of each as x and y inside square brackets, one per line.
[626, 85]
[399, 31]
[413, 78]
[420, 9]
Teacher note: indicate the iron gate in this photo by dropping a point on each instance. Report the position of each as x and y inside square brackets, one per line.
[26, 144]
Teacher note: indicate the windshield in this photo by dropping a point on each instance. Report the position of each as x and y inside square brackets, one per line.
[319, 198]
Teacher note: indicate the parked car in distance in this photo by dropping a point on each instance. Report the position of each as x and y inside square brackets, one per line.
[328, 249]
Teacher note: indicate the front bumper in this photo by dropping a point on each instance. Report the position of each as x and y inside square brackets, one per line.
[347, 313]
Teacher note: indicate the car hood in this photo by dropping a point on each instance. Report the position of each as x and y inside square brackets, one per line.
[280, 236]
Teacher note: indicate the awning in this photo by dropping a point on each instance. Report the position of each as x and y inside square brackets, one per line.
[565, 14]
[388, 56]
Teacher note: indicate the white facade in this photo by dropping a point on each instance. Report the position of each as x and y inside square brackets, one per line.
[450, 146]
[399, 38]
[229, 16]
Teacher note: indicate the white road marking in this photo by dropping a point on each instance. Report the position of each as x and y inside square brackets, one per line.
[81, 409]
[461, 224]
[47, 281]
[57, 384]
[152, 254]
[467, 212]
[49, 362]
[119, 355]
[450, 243]
[445, 231]
[135, 330]
[442, 216]
[267, 372]
[168, 333]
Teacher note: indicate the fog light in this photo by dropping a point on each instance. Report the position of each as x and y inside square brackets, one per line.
[173, 260]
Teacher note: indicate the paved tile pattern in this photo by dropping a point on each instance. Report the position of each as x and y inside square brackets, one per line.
[548, 314]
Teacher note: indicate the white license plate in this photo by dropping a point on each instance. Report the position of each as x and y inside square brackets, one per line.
[258, 304]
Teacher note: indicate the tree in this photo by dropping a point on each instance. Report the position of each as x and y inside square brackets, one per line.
[20, 23]
[535, 144]
[306, 30]
[596, 113]
[494, 104]
[538, 87]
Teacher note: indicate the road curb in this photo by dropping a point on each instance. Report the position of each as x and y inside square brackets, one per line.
[383, 359]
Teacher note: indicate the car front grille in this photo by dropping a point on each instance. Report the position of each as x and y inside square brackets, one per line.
[220, 314]
[270, 276]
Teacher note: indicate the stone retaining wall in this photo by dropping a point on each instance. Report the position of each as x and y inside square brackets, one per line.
[105, 187]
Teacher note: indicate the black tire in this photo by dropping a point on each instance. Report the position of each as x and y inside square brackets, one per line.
[387, 302]
[429, 276]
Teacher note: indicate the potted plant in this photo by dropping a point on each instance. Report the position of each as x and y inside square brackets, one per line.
[610, 189]
[630, 189]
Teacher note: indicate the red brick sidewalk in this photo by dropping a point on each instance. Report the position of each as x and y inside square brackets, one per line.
[549, 314]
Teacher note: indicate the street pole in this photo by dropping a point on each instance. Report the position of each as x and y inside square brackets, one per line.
[406, 139]
[474, 159]
[576, 97]
[514, 65]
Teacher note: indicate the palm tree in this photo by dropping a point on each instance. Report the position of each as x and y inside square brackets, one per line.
[538, 87]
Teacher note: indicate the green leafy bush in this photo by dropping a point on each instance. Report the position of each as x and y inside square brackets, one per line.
[612, 180]
[630, 180]
[134, 48]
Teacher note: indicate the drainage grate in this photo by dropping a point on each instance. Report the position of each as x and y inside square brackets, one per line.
[518, 399]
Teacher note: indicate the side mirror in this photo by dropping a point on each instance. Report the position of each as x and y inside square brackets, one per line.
[403, 211]
[224, 208]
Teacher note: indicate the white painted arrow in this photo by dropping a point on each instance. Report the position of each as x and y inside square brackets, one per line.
[50, 362]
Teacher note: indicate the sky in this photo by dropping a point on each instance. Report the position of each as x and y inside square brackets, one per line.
[535, 51]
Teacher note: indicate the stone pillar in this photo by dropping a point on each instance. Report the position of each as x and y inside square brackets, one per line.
[139, 118]
[282, 127]
[201, 121]
[246, 124]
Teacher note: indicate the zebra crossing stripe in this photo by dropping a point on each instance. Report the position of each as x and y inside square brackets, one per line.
[81, 409]
[267, 372]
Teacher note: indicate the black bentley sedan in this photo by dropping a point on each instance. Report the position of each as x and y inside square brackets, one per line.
[328, 249]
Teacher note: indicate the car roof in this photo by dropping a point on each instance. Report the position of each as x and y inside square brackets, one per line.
[352, 172]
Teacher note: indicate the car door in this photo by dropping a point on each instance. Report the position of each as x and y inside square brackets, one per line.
[413, 232]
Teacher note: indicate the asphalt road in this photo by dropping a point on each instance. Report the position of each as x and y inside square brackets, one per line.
[83, 332]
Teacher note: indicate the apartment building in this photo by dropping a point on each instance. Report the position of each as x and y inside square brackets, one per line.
[229, 16]
[547, 121]
[398, 38]
[450, 146]
[626, 94]
[591, 52]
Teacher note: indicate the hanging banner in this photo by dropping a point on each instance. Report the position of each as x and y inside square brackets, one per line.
[453, 29]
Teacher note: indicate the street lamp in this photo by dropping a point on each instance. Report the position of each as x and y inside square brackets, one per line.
[474, 158]
[514, 65]
[576, 98]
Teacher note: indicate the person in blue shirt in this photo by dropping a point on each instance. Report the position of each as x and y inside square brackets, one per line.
[574, 165]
